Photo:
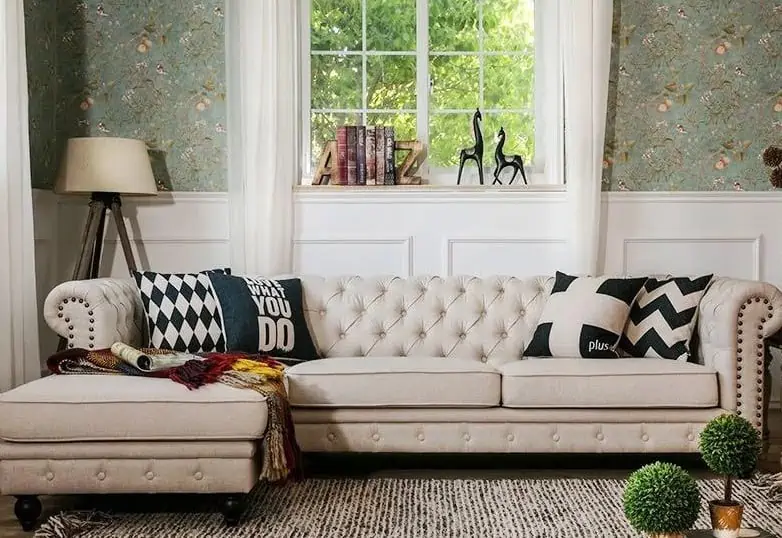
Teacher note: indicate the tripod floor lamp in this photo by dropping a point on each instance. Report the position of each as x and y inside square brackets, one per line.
[105, 168]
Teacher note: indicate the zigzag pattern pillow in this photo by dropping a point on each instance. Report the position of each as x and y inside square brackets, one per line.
[663, 318]
[584, 317]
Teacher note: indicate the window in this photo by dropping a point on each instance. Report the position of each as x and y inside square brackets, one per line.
[423, 66]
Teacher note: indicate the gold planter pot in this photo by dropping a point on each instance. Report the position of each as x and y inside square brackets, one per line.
[667, 535]
[725, 518]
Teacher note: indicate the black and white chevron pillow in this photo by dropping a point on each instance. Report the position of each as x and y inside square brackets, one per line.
[584, 317]
[663, 318]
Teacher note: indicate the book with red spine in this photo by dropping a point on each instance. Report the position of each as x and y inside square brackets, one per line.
[361, 155]
[352, 135]
[380, 154]
[341, 177]
[371, 157]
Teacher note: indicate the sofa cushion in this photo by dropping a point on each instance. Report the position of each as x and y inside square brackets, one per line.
[119, 408]
[393, 382]
[608, 383]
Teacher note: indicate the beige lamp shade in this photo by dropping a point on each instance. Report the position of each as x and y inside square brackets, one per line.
[103, 164]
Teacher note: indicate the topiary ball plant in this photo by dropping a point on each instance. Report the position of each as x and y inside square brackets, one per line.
[730, 446]
[661, 498]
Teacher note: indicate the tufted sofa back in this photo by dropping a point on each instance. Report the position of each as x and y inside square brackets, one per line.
[487, 319]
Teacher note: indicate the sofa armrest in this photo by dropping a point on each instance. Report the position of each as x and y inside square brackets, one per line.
[735, 317]
[93, 314]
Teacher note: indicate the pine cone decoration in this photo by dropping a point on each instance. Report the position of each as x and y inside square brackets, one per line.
[772, 156]
[776, 177]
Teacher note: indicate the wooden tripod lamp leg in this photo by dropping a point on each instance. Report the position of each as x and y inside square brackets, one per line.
[122, 231]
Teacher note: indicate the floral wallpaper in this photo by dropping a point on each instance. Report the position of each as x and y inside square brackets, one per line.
[695, 91]
[695, 94]
[147, 69]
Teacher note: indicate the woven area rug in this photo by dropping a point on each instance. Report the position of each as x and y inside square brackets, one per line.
[413, 508]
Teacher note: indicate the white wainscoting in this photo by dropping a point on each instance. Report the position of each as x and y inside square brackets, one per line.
[406, 231]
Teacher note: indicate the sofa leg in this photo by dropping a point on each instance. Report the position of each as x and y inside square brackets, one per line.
[233, 508]
[27, 510]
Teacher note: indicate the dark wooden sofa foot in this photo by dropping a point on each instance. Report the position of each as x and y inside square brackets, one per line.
[27, 510]
[233, 508]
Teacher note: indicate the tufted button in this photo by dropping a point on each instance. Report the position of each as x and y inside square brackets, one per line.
[484, 358]
[376, 437]
[462, 336]
[442, 313]
[461, 289]
[421, 437]
[322, 313]
[198, 475]
[60, 307]
[341, 336]
[690, 437]
[101, 476]
[511, 437]
[382, 334]
[599, 436]
[86, 305]
[331, 437]
[555, 437]
[403, 312]
[644, 438]
[482, 313]
[504, 335]
[150, 475]
[466, 437]
[50, 476]
[422, 334]
[59, 315]
[501, 291]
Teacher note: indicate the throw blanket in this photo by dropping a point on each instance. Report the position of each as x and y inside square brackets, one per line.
[281, 454]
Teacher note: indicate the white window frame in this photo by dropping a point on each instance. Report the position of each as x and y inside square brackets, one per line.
[548, 110]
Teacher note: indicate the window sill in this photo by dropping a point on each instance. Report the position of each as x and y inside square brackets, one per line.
[428, 193]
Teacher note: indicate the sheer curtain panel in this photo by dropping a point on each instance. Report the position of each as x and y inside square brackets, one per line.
[19, 355]
[586, 61]
[262, 44]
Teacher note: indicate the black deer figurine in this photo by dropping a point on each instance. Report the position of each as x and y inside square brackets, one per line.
[503, 161]
[474, 153]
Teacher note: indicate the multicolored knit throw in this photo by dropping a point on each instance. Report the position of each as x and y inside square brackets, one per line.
[281, 454]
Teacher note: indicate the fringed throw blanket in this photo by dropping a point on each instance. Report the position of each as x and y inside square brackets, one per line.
[281, 455]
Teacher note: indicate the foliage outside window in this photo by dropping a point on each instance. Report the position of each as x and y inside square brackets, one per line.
[423, 66]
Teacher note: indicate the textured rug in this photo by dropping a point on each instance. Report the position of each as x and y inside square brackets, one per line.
[413, 508]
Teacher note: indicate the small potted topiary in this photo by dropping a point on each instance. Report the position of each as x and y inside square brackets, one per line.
[730, 446]
[662, 500]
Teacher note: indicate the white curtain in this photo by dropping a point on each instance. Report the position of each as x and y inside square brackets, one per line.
[19, 358]
[263, 132]
[587, 60]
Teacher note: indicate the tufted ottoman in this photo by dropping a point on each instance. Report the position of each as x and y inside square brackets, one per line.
[114, 434]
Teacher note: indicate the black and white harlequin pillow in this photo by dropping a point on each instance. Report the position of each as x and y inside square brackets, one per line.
[262, 315]
[181, 310]
[663, 318]
[584, 317]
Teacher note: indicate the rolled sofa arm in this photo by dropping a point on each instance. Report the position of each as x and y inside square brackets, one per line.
[735, 316]
[93, 314]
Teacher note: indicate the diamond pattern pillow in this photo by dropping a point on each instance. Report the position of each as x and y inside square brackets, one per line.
[663, 318]
[584, 317]
[181, 310]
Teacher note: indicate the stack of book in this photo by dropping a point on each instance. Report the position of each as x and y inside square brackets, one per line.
[365, 155]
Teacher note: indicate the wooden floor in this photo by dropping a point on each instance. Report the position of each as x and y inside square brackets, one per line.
[458, 466]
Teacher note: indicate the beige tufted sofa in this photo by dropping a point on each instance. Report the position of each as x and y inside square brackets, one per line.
[424, 364]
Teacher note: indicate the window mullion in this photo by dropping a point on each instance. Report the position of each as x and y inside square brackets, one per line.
[306, 88]
[364, 89]
[480, 54]
[422, 74]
